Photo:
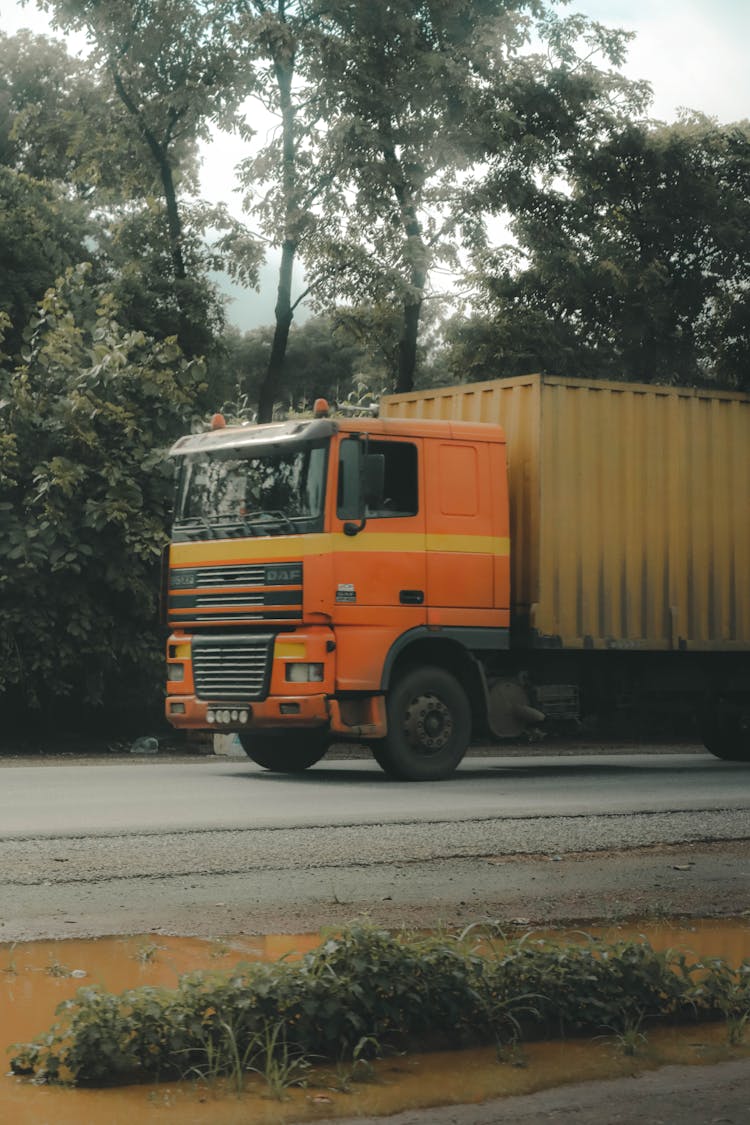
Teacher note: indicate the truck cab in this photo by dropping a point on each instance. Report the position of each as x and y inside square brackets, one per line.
[339, 578]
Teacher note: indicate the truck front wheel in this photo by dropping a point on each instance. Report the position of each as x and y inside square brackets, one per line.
[429, 726]
[289, 752]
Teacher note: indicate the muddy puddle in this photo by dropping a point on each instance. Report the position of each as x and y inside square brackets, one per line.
[35, 977]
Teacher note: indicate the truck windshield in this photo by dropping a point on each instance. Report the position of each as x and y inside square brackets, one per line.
[244, 492]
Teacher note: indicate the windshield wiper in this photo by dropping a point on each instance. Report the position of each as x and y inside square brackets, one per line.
[250, 524]
[235, 525]
[193, 526]
[271, 516]
[255, 523]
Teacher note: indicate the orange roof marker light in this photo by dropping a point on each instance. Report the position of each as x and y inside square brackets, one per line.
[320, 408]
[218, 422]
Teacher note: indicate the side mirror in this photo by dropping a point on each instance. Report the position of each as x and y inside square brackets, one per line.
[369, 483]
[373, 479]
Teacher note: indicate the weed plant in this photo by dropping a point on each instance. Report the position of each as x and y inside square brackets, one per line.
[56, 968]
[280, 1063]
[146, 952]
[629, 1039]
[11, 967]
[367, 989]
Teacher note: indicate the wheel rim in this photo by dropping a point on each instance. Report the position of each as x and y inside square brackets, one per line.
[428, 724]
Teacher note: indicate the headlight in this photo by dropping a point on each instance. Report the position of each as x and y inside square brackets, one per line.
[175, 672]
[304, 673]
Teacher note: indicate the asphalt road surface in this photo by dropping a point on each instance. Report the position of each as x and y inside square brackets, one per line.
[210, 846]
[146, 795]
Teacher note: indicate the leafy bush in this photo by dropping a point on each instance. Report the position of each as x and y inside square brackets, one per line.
[87, 412]
[367, 988]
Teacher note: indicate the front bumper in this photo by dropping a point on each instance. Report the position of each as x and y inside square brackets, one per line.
[185, 712]
[235, 681]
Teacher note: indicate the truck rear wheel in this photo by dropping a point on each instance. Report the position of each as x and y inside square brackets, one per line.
[429, 726]
[725, 730]
[293, 751]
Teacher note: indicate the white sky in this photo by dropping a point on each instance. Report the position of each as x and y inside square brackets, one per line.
[693, 52]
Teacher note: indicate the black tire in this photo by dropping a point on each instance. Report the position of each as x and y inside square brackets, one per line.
[293, 751]
[429, 726]
[725, 730]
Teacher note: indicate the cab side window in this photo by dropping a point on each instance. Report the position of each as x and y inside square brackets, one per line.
[401, 491]
[401, 482]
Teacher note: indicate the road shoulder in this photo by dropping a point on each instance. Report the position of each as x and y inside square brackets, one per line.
[692, 1095]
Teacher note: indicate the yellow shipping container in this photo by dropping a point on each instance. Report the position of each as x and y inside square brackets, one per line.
[630, 508]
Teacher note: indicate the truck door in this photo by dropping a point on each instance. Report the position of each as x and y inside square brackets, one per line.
[380, 572]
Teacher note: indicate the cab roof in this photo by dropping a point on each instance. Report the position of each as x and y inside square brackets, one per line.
[279, 434]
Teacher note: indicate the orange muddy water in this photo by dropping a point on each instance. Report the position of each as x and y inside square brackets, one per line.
[36, 976]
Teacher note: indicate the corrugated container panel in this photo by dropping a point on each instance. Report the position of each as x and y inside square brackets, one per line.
[630, 507]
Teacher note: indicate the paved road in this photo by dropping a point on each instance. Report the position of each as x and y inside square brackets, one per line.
[212, 846]
[148, 796]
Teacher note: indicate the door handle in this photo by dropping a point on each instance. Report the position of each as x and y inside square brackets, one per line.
[411, 597]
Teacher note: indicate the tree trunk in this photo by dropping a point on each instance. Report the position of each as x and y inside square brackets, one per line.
[416, 254]
[174, 222]
[174, 226]
[160, 154]
[407, 346]
[284, 316]
[284, 71]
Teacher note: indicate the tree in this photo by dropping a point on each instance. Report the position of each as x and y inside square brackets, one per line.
[287, 179]
[41, 233]
[46, 101]
[324, 357]
[62, 122]
[136, 248]
[640, 268]
[85, 489]
[421, 95]
[170, 73]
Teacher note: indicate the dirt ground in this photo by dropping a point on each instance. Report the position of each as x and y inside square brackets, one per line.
[675, 1095]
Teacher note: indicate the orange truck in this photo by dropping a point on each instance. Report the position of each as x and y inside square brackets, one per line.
[474, 561]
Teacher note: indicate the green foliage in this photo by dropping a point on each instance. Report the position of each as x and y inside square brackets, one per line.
[367, 989]
[101, 194]
[49, 110]
[637, 269]
[56, 968]
[166, 73]
[146, 952]
[370, 177]
[628, 1038]
[41, 233]
[722, 989]
[267, 1052]
[88, 412]
[325, 356]
[139, 260]
[281, 1064]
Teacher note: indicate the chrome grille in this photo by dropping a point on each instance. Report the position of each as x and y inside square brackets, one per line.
[229, 599]
[236, 575]
[236, 594]
[230, 669]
